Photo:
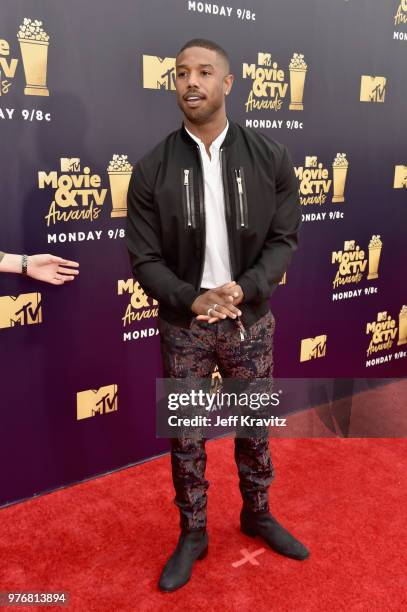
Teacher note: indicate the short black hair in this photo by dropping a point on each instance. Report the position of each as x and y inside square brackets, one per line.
[207, 44]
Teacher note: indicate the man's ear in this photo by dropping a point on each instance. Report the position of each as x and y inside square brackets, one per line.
[227, 84]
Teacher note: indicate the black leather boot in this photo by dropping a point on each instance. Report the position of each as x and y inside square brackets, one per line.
[192, 545]
[275, 535]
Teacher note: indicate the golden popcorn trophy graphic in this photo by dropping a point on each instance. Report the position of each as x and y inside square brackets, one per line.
[340, 169]
[283, 280]
[119, 171]
[375, 248]
[312, 348]
[372, 88]
[34, 51]
[298, 70]
[91, 402]
[400, 177]
[402, 326]
[23, 309]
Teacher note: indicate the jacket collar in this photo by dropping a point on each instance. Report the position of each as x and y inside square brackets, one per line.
[230, 135]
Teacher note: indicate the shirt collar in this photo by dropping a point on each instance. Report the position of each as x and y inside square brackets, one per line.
[216, 143]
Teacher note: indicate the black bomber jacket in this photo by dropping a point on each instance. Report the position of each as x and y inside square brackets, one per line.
[165, 226]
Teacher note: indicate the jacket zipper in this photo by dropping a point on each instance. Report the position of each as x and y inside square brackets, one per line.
[186, 185]
[240, 193]
[202, 216]
[240, 326]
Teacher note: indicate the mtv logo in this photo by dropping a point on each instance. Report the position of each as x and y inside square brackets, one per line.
[372, 88]
[382, 316]
[400, 177]
[264, 59]
[311, 161]
[312, 348]
[349, 245]
[24, 309]
[70, 164]
[158, 73]
[96, 401]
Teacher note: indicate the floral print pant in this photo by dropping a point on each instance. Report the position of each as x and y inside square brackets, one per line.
[194, 352]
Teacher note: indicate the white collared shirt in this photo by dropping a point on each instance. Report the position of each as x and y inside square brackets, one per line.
[216, 267]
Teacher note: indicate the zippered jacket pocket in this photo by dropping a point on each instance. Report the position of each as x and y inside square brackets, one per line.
[188, 204]
[242, 220]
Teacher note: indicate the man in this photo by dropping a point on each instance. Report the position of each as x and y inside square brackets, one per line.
[213, 219]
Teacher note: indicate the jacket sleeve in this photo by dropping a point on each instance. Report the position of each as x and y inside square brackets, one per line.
[259, 281]
[144, 240]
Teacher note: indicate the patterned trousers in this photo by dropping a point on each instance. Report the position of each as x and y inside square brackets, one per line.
[193, 352]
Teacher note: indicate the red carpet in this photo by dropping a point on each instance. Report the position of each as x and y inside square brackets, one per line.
[105, 541]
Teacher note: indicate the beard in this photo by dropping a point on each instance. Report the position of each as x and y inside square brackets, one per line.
[200, 116]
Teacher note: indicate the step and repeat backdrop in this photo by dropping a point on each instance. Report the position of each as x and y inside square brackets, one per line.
[86, 89]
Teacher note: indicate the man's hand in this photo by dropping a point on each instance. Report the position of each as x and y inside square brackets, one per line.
[226, 297]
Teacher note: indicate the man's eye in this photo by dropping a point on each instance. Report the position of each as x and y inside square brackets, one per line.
[181, 74]
[205, 72]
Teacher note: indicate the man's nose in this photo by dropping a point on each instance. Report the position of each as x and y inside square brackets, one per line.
[193, 81]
